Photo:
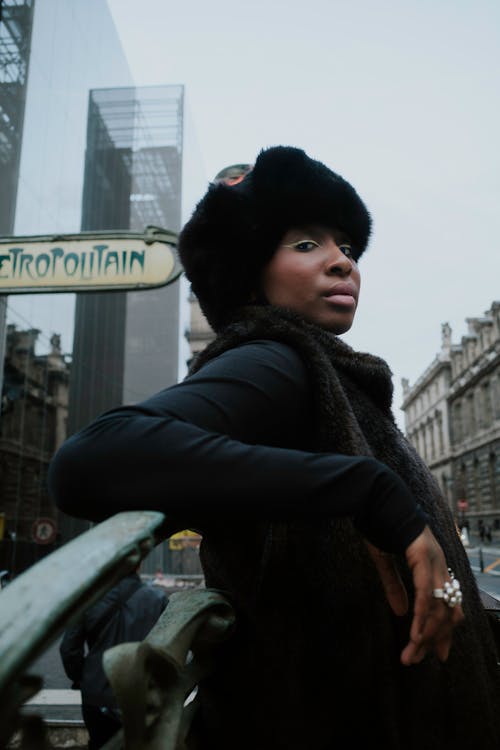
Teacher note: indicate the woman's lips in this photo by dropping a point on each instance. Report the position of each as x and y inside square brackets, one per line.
[341, 294]
[345, 300]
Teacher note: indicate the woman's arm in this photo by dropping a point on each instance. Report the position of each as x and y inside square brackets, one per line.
[229, 443]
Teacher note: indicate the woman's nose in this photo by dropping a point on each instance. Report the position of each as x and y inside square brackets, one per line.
[338, 263]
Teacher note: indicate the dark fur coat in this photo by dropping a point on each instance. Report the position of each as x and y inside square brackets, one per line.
[315, 662]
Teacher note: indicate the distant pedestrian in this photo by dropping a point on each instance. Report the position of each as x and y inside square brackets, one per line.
[126, 613]
[159, 578]
[487, 533]
[481, 529]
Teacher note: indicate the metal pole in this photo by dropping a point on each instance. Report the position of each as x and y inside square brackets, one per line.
[481, 561]
[3, 336]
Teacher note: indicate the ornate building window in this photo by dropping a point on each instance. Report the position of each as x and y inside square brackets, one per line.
[470, 426]
[439, 422]
[496, 394]
[420, 441]
[457, 422]
[414, 439]
[486, 408]
[446, 488]
[462, 493]
[425, 441]
[432, 442]
[493, 477]
[476, 467]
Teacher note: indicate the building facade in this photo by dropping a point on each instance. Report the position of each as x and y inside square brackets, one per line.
[96, 153]
[452, 417]
[52, 52]
[426, 412]
[34, 412]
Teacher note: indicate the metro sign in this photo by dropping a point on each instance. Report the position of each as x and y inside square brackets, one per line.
[88, 262]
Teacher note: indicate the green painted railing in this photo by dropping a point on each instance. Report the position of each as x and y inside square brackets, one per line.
[154, 681]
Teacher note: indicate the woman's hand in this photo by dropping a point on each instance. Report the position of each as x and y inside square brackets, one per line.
[433, 620]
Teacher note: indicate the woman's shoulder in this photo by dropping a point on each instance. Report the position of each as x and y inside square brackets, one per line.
[263, 353]
[269, 348]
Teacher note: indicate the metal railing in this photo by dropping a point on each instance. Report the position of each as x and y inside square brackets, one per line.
[154, 681]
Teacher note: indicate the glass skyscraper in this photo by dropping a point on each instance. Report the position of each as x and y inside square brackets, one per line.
[81, 149]
[126, 345]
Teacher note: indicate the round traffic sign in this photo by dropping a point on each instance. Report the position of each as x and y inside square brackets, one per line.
[44, 530]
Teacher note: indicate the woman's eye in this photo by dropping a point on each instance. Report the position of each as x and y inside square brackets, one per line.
[347, 250]
[305, 245]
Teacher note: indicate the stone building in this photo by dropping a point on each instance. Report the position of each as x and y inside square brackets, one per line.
[200, 333]
[32, 426]
[452, 417]
[427, 423]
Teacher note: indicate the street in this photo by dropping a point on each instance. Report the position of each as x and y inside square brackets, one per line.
[485, 562]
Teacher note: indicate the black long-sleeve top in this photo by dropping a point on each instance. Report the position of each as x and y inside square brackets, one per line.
[231, 442]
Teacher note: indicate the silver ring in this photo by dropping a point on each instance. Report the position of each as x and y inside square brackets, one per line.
[451, 592]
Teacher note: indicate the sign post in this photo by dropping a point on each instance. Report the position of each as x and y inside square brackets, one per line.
[89, 262]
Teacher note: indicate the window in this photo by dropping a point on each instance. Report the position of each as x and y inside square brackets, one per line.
[470, 425]
[439, 422]
[493, 478]
[457, 422]
[486, 407]
[477, 483]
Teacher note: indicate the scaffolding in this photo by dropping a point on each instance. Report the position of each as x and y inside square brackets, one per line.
[15, 38]
[134, 153]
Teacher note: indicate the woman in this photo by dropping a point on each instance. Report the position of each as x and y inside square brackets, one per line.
[319, 520]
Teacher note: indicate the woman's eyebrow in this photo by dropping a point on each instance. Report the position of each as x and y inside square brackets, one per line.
[318, 234]
[311, 232]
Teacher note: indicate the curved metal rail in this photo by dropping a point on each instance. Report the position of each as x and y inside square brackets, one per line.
[37, 606]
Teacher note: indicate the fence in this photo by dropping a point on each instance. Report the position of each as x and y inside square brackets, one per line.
[154, 681]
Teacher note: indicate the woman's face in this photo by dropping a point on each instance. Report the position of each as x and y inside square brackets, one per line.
[313, 272]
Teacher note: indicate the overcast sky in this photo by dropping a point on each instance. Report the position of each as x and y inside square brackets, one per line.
[401, 98]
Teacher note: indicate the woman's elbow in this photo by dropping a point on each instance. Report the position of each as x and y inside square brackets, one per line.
[66, 481]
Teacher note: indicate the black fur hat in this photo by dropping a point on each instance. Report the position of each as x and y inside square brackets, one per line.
[235, 228]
